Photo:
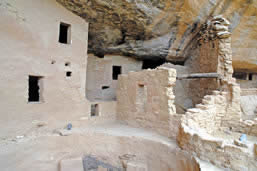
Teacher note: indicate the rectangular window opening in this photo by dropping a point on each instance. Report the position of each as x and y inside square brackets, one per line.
[105, 87]
[116, 71]
[250, 76]
[35, 89]
[94, 110]
[65, 33]
[141, 98]
[240, 75]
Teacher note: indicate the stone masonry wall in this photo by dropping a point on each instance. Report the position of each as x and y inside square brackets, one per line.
[211, 52]
[220, 110]
[217, 151]
[145, 99]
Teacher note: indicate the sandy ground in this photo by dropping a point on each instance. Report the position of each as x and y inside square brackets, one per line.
[42, 149]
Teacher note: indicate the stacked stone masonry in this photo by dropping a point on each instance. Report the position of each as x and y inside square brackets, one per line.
[146, 99]
[219, 112]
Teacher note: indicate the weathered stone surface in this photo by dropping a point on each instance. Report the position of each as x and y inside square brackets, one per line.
[71, 164]
[164, 28]
[145, 99]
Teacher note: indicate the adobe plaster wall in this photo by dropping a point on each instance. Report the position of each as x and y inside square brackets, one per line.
[29, 45]
[99, 74]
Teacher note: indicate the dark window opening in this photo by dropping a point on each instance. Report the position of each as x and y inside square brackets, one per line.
[250, 76]
[151, 64]
[65, 33]
[34, 89]
[123, 39]
[105, 87]
[99, 54]
[94, 110]
[68, 74]
[240, 75]
[116, 71]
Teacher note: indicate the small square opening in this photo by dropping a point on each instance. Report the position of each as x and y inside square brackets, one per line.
[116, 71]
[65, 33]
[94, 110]
[35, 88]
[68, 74]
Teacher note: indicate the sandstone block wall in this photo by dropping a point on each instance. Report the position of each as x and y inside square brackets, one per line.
[100, 83]
[217, 111]
[182, 89]
[145, 99]
[217, 151]
[211, 52]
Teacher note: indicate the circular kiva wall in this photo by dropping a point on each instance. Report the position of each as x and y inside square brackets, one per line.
[46, 152]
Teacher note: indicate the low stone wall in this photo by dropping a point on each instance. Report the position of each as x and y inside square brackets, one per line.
[248, 127]
[217, 151]
[145, 99]
[106, 110]
[217, 111]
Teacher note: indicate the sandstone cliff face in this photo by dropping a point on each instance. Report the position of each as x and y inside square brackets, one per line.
[152, 29]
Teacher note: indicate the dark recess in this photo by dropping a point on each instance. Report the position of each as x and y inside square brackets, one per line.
[116, 70]
[68, 74]
[251, 76]
[240, 75]
[64, 33]
[94, 110]
[151, 64]
[34, 89]
[105, 87]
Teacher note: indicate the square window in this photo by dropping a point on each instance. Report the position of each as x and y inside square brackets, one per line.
[68, 74]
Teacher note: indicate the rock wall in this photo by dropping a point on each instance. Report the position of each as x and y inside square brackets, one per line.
[164, 28]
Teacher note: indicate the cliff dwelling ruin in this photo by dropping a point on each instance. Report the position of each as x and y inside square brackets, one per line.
[124, 85]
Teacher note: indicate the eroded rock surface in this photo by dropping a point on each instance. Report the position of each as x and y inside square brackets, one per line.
[164, 28]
